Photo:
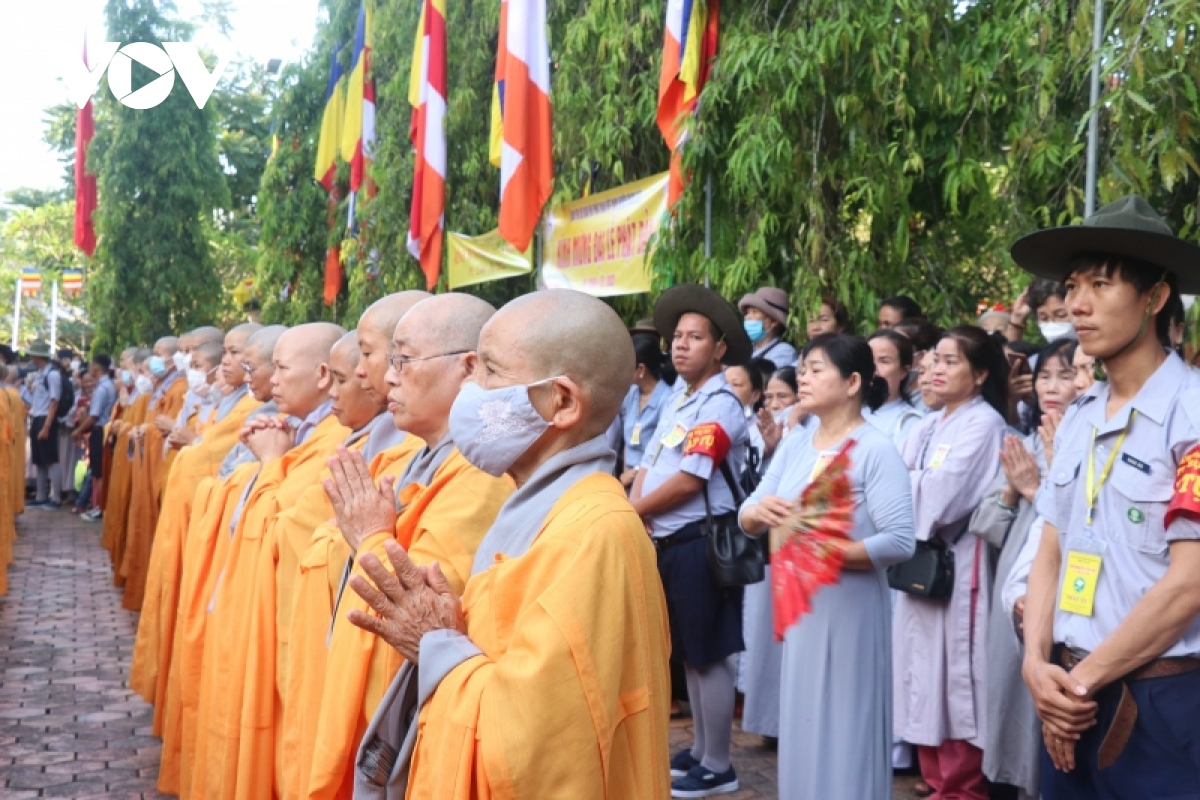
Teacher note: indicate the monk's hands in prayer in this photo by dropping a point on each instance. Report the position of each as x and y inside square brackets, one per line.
[1063, 703]
[164, 424]
[771, 430]
[181, 437]
[269, 438]
[1021, 469]
[409, 604]
[362, 508]
[1047, 431]
[138, 433]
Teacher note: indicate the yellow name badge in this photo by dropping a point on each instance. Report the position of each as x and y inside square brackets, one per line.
[676, 436]
[1079, 583]
[635, 436]
[939, 456]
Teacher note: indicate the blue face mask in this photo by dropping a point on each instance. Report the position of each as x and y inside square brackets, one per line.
[493, 428]
[158, 366]
[127, 377]
[756, 329]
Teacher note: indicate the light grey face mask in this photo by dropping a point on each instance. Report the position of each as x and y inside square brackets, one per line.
[1053, 331]
[493, 428]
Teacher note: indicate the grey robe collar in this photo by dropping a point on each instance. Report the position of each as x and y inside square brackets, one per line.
[241, 454]
[521, 517]
[382, 434]
[230, 400]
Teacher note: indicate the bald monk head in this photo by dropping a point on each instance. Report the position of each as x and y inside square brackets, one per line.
[436, 340]
[301, 380]
[206, 358]
[206, 333]
[353, 405]
[257, 356]
[235, 349]
[374, 331]
[577, 351]
[166, 347]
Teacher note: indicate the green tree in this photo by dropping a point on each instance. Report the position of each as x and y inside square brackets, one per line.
[159, 182]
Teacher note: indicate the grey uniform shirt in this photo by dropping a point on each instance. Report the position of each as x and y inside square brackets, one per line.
[1128, 530]
[46, 388]
[104, 397]
[714, 402]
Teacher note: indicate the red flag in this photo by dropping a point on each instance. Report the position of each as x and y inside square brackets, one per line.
[85, 184]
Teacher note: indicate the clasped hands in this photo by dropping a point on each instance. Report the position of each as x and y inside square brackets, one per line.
[1065, 706]
[268, 438]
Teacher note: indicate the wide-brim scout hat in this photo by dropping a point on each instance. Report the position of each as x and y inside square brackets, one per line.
[39, 348]
[1127, 227]
[691, 298]
[770, 301]
[644, 325]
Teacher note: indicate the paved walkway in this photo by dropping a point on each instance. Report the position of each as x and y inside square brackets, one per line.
[69, 725]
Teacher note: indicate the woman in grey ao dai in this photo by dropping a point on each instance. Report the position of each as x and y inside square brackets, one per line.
[835, 737]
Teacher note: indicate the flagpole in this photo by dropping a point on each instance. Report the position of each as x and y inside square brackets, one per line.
[16, 321]
[1093, 143]
[54, 317]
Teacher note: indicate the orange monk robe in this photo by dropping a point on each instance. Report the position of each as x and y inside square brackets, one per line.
[206, 548]
[443, 522]
[120, 488]
[17, 473]
[570, 697]
[8, 527]
[303, 672]
[238, 692]
[148, 479]
[156, 627]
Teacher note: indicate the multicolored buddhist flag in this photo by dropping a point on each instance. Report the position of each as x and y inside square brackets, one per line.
[523, 97]
[72, 282]
[85, 183]
[427, 95]
[358, 131]
[330, 140]
[689, 47]
[31, 281]
[496, 135]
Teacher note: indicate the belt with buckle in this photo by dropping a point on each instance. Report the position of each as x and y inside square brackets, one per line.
[1121, 727]
[684, 535]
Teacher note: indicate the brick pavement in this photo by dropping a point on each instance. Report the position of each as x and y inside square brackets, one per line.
[70, 726]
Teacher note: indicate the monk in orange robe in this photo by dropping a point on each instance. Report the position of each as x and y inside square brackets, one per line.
[119, 484]
[199, 404]
[445, 505]
[324, 553]
[197, 461]
[216, 503]
[16, 467]
[549, 678]
[166, 400]
[238, 704]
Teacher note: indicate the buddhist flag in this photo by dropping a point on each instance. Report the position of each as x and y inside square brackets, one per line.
[31, 281]
[72, 282]
[496, 136]
[427, 95]
[331, 123]
[689, 46]
[523, 89]
[85, 184]
[358, 132]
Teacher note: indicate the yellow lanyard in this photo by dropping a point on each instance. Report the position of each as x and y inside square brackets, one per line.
[1093, 488]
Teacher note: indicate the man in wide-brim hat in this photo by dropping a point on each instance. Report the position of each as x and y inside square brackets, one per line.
[1111, 631]
[43, 424]
[765, 316]
[701, 437]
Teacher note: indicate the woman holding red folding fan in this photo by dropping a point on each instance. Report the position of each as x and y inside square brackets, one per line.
[835, 742]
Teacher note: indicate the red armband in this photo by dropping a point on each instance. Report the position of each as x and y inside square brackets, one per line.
[709, 440]
[1186, 499]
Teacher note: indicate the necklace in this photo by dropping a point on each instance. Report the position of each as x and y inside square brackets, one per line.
[841, 436]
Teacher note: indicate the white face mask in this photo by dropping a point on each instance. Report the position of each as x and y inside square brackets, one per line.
[1053, 331]
[75, 364]
[181, 361]
[197, 380]
[144, 384]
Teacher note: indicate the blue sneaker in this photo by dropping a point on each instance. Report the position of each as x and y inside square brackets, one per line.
[682, 763]
[701, 782]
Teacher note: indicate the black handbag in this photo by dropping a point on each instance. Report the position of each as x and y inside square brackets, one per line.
[929, 573]
[734, 558]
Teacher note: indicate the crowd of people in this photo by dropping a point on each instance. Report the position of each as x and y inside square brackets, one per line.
[461, 552]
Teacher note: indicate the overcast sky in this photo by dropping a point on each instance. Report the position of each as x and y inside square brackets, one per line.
[35, 36]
